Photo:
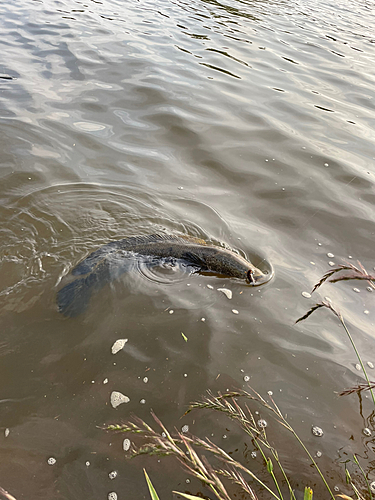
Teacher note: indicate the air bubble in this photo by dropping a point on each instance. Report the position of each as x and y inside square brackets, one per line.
[246, 378]
[113, 474]
[126, 444]
[317, 431]
[51, 461]
[307, 295]
[185, 428]
[262, 423]
[367, 432]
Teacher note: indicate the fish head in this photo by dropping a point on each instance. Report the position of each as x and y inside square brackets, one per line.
[255, 276]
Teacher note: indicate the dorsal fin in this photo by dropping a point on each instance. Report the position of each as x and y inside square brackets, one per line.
[154, 238]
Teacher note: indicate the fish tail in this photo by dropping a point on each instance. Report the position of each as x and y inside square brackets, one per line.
[74, 297]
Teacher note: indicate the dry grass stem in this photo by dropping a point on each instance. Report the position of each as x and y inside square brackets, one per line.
[358, 389]
[356, 273]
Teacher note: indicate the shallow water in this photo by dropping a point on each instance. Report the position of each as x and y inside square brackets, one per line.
[247, 124]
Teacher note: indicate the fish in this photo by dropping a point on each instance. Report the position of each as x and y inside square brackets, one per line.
[113, 259]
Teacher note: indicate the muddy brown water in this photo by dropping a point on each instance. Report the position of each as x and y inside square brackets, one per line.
[249, 124]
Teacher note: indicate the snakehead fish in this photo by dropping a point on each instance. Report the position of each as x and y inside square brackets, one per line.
[110, 261]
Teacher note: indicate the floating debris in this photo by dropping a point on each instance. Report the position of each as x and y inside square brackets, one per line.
[326, 165]
[317, 431]
[118, 345]
[105, 381]
[210, 287]
[187, 481]
[370, 364]
[51, 461]
[113, 474]
[366, 432]
[185, 375]
[117, 399]
[336, 488]
[319, 454]
[358, 367]
[203, 320]
[330, 255]
[356, 290]
[262, 423]
[6, 432]
[372, 486]
[126, 444]
[234, 311]
[226, 292]
[369, 289]
[253, 454]
[307, 295]
[88, 464]
[142, 401]
[246, 378]
[270, 393]
[145, 380]
[112, 495]
[171, 311]
[366, 311]
[225, 436]
[331, 263]
[184, 337]
[185, 428]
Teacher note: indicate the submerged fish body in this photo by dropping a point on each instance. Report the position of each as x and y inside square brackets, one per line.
[110, 261]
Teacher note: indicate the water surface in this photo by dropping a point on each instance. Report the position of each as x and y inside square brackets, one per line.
[247, 124]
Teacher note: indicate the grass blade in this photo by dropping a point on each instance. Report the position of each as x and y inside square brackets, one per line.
[153, 494]
[185, 495]
[308, 493]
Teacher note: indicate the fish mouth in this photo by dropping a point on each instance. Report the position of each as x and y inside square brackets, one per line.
[256, 277]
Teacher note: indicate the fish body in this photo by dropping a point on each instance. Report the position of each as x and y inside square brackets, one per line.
[112, 260]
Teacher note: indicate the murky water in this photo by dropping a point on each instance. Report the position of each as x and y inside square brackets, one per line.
[249, 124]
